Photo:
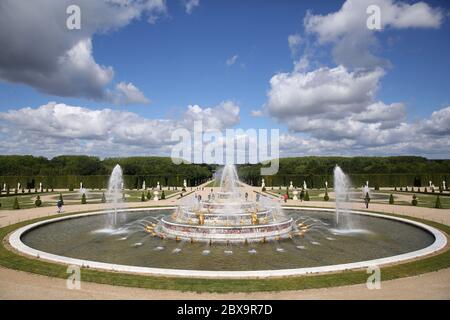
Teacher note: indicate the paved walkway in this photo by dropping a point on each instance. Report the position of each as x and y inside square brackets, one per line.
[21, 285]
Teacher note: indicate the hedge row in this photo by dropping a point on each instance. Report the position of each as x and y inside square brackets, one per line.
[380, 180]
[94, 182]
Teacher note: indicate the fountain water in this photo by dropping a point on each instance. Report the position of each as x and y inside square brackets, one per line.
[114, 193]
[227, 217]
[366, 190]
[341, 187]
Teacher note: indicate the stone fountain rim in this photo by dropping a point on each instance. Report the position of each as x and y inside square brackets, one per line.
[15, 242]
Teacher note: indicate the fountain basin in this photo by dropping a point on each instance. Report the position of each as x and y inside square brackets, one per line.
[226, 234]
[73, 240]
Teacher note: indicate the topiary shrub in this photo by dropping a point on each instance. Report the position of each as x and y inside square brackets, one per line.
[306, 196]
[142, 197]
[426, 190]
[83, 198]
[263, 189]
[395, 188]
[163, 195]
[149, 195]
[38, 201]
[326, 197]
[103, 198]
[377, 187]
[438, 205]
[287, 193]
[414, 200]
[16, 204]
[391, 199]
[61, 198]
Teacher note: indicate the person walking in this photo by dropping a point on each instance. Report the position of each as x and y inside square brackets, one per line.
[59, 205]
[367, 200]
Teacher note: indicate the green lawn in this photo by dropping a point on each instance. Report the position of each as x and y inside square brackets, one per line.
[135, 195]
[313, 193]
[11, 260]
[424, 200]
[26, 201]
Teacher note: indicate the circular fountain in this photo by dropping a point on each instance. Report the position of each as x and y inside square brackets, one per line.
[227, 235]
[227, 216]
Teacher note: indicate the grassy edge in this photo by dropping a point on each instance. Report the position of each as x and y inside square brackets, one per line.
[11, 260]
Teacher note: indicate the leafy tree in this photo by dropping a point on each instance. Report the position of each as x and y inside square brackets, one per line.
[16, 204]
[83, 198]
[61, 198]
[391, 199]
[414, 200]
[103, 198]
[38, 201]
[438, 205]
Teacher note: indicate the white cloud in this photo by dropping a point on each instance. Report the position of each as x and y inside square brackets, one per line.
[225, 115]
[294, 41]
[438, 124]
[127, 93]
[190, 5]
[256, 113]
[353, 41]
[62, 63]
[333, 91]
[387, 115]
[57, 128]
[232, 60]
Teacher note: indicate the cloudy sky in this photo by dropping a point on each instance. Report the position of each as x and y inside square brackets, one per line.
[138, 69]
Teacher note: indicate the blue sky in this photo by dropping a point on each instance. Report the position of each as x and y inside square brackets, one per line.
[181, 60]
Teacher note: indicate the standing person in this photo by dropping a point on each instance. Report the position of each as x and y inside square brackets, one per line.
[59, 206]
[367, 200]
[246, 196]
[285, 198]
